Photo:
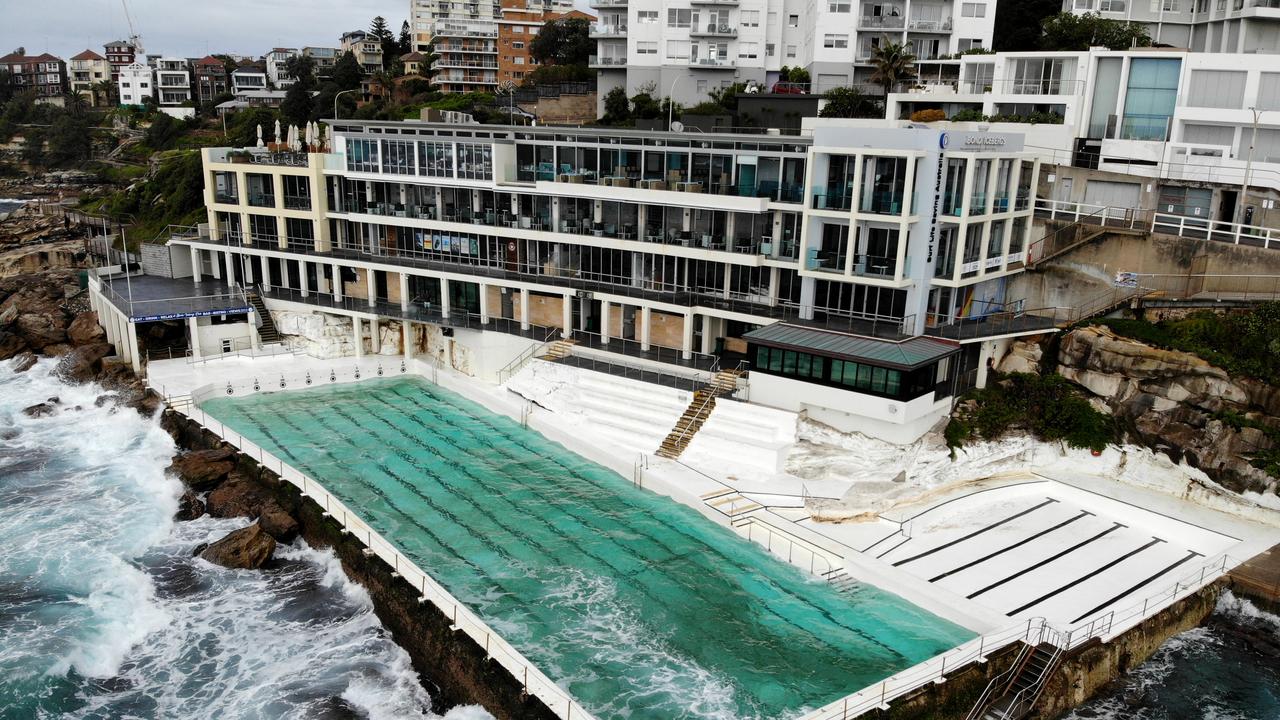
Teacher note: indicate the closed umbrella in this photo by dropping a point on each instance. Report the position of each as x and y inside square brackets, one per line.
[277, 131]
[259, 134]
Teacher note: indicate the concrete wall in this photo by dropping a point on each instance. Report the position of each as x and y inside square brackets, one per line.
[544, 310]
[211, 337]
[155, 261]
[894, 421]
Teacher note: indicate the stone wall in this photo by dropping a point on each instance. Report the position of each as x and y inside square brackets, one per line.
[455, 668]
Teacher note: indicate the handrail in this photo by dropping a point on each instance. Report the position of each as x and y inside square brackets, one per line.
[815, 552]
[524, 357]
[1000, 680]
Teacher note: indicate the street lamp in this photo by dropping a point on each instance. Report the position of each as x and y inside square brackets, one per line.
[338, 95]
[1248, 169]
[671, 104]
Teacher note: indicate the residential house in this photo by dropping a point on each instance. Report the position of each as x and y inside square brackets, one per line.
[135, 84]
[414, 63]
[324, 57]
[518, 25]
[44, 75]
[248, 77]
[366, 48]
[86, 71]
[173, 82]
[120, 54]
[277, 60]
[210, 79]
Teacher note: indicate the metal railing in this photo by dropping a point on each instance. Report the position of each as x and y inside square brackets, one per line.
[523, 358]
[533, 680]
[1148, 220]
[830, 563]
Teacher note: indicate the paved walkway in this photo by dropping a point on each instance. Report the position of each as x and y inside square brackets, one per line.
[1261, 575]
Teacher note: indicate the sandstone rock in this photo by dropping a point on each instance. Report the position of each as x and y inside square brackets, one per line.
[83, 363]
[39, 410]
[247, 548]
[1023, 357]
[204, 469]
[279, 523]
[9, 315]
[237, 496]
[190, 507]
[23, 362]
[10, 345]
[41, 330]
[56, 349]
[85, 330]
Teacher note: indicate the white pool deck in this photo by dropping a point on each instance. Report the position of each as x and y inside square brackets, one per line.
[1057, 543]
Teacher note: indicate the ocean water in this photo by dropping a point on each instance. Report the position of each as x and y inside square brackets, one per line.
[105, 614]
[1207, 673]
[8, 205]
[639, 606]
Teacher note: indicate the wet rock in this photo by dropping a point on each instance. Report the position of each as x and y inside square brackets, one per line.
[190, 507]
[10, 345]
[23, 362]
[83, 363]
[239, 496]
[39, 410]
[56, 350]
[85, 330]
[247, 548]
[279, 523]
[204, 469]
[41, 330]
[9, 315]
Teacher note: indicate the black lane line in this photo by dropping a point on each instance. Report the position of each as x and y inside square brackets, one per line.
[905, 540]
[1015, 546]
[976, 533]
[1086, 576]
[1046, 561]
[1190, 555]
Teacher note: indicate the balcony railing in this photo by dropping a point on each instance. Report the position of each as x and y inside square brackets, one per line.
[607, 61]
[297, 202]
[603, 30]
[265, 200]
[922, 25]
[883, 22]
[715, 30]
[712, 64]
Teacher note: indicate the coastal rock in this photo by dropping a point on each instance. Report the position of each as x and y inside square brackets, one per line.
[85, 330]
[278, 522]
[190, 507]
[41, 330]
[239, 496]
[247, 548]
[10, 345]
[39, 410]
[23, 362]
[203, 470]
[1023, 357]
[83, 363]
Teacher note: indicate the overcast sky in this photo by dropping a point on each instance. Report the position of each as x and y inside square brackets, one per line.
[190, 28]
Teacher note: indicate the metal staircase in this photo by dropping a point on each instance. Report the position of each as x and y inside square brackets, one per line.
[704, 401]
[1013, 693]
[267, 332]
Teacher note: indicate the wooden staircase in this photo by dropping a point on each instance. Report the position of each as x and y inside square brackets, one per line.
[268, 333]
[558, 350]
[677, 441]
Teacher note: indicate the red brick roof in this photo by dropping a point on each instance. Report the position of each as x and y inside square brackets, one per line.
[88, 55]
[210, 60]
[16, 58]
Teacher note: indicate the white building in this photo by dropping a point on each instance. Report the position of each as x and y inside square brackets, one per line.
[1238, 26]
[424, 14]
[248, 77]
[1155, 113]
[896, 245]
[686, 50]
[277, 59]
[173, 82]
[135, 83]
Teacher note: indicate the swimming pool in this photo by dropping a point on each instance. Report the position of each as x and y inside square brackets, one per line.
[638, 606]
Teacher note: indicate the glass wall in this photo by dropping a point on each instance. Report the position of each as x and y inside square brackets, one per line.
[846, 374]
[1150, 98]
[883, 185]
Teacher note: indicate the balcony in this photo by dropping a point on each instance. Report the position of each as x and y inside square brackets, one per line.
[717, 3]
[882, 22]
[459, 63]
[712, 64]
[601, 30]
[714, 30]
[297, 202]
[262, 200]
[605, 4]
[929, 26]
[607, 61]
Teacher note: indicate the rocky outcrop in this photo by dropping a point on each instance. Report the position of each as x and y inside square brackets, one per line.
[1024, 356]
[1177, 403]
[204, 470]
[190, 507]
[242, 497]
[83, 363]
[247, 548]
[85, 330]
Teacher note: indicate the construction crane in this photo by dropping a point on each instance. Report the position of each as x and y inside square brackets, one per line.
[134, 38]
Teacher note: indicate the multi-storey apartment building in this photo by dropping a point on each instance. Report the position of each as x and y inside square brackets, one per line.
[120, 54]
[173, 82]
[423, 14]
[135, 83]
[518, 25]
[1225, 26]
[365, 47]
[276, 72]
[884, 247]
[87, 70]
[324, 57]
[466, 56]
[248, 77]
[1150, 113]
[44, 75]
[686, 49]
[210, 76]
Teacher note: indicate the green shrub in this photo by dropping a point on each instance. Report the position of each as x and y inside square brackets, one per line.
[1246, 343]
[1049, 407]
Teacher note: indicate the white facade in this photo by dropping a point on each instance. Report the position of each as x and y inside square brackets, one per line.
[424, 14]
[687, 50]
[276, 61]
[136, 84]
[248, 78]
[1239, 26]
[173, 82]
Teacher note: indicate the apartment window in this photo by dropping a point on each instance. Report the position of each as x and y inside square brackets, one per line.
[679, 17]
[397, 157]
[518, 29]
[519, 60]
[793, 21]
[647, 47]
[517, 45]
[677, 49]
[702, 87]
[647, 16]
[1165, 5]
[838, 6]
[973, 10]
[435, 159]
[750, 18]
[770, 49]
[835, 41]
[475, 161]
[748, 50]
[791, 52]
[1114, 6]
[968, 44]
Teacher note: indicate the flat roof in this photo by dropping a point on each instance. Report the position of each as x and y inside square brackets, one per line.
[906, 354]
[148, 298]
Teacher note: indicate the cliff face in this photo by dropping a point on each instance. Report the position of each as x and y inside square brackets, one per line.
[1177, 403]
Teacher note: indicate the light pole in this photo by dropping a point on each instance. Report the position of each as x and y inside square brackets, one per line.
[671, 103]
[1248, 167]
[339, 94]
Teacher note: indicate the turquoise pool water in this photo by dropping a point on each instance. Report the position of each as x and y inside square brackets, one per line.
[639, 606]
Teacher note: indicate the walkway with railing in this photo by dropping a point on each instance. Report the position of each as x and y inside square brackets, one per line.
[1145, 220]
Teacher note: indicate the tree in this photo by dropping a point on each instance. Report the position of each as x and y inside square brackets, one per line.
[297, 107]
[164, 131]
[6, 90]
[75, 103]
[68, 141]
[103, 91]
[554, 74]
[406, 39]
[617, 108]
[564, 41]
[893, 65]
[390, 47]
[346, 72]
[846, 102]
[242, 129]
[303, 69]
[1017, 26]
[1066, 31]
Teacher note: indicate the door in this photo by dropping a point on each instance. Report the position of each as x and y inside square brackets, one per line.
[1120, 198]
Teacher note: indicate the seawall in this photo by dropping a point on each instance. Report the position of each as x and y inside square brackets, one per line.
[454, 668]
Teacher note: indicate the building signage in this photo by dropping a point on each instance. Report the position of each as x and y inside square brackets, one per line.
[981, 141]
[937, 202]
[198, 313]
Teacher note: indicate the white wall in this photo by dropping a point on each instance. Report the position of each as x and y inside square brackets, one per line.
[211, 336]
[894, 421]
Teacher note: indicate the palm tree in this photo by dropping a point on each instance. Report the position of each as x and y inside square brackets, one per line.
[102, 89]
[894, 65]
[75, 103]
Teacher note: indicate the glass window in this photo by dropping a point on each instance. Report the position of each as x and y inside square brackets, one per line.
[789, 362]
[818, 369]
[802, 364]
[1150, 99]
[762, 357]
[775, 361]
